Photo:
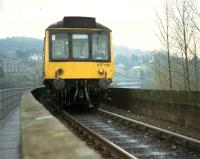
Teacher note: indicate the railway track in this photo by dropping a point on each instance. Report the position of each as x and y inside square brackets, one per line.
[121, 137]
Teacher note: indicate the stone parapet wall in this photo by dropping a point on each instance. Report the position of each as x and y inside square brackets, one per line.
[179, 107]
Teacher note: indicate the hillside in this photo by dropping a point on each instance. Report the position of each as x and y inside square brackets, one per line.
[14, 44]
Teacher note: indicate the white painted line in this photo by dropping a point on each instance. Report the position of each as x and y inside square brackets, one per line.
[44, 117]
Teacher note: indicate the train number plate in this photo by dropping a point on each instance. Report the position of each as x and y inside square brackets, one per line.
[103, 64]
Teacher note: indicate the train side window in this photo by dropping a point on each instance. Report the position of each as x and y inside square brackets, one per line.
[80, 48]
[100, 46]
[60, 46]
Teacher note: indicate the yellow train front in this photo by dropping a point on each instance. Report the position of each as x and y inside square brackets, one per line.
[78, 60]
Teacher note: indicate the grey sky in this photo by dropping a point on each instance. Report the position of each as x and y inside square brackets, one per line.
[132, 21]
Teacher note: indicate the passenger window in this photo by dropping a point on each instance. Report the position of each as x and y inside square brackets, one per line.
[60, 46]
[80, 49]
[100, 46]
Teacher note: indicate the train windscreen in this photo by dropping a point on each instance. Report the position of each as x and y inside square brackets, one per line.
[76, 46]
[60, 46]
[100, 46]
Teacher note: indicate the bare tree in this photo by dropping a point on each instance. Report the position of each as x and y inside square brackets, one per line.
[196, 12]
[182, 14]
[195, 19]
[164, 29]
[195, 65]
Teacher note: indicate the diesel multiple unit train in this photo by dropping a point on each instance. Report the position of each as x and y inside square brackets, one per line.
[78, 60]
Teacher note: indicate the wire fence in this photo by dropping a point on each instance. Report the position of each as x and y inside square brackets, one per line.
[9, 99]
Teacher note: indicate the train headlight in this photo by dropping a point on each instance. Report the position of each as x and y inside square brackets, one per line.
[101, 71]
[58, 83]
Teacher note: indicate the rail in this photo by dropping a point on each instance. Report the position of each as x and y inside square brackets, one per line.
[112, 148]
[10, 99]
[100, 141]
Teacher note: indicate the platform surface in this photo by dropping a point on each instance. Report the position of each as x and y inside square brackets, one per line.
[10, 136]
[44, 137]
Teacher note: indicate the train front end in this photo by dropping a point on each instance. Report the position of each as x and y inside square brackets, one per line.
[78, 61]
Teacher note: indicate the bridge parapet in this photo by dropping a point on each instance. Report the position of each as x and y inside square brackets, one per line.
[9, 99]
[179, 107]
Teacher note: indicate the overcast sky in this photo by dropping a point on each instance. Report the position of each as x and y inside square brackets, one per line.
[132, 21]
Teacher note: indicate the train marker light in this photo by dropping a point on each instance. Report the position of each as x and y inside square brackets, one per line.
[101, 71]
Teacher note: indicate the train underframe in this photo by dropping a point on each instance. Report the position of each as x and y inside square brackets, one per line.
[82, 92]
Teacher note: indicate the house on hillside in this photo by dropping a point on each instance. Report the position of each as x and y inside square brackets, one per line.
[11, 65]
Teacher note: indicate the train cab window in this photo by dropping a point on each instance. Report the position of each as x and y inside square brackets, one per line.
[60, 46]
[80, 46]
[100, 46]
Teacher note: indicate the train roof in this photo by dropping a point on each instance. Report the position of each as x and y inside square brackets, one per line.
[79, 22]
